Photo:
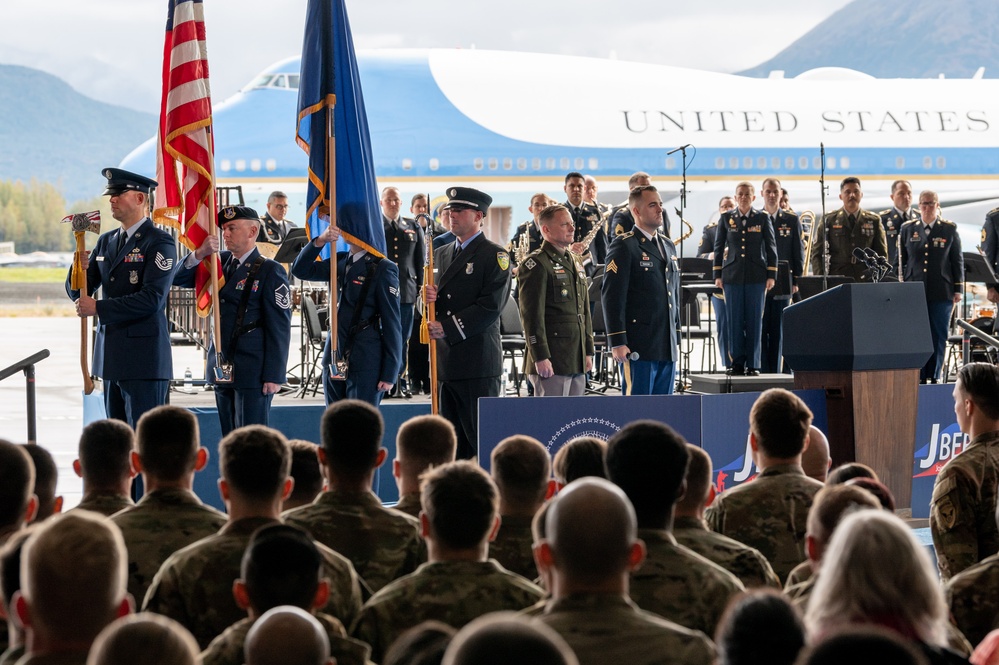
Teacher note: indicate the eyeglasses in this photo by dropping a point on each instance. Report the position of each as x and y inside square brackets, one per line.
[927, 204]
[280, 206]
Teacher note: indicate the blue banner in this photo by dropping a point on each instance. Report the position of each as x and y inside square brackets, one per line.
[938, 440]
[330, 84]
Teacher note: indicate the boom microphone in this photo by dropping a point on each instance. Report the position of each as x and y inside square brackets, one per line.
[861, 256]
[683, 147]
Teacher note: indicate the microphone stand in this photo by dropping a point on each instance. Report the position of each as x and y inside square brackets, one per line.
[825, 222]
[684, 337]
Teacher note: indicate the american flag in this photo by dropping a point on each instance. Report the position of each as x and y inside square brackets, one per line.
[185, 150]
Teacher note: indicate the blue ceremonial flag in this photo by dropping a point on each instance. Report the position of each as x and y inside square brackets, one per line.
[330, 84]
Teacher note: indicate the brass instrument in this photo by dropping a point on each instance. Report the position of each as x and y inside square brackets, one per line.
[588, 238]
[807, 235]
[523, 246]
[690, 227]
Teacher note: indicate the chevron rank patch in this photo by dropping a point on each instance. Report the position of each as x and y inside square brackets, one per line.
[162, 262]
[612, 267]
[282, 297]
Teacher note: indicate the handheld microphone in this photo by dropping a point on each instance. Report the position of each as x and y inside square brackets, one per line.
[633, 355]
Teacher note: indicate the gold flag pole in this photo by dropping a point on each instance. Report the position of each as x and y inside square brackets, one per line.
[430, 314]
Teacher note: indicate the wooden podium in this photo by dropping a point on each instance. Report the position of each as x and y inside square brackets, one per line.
[863, 344]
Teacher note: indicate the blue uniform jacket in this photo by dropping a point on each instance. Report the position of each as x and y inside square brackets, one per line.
[641, 296]
[133, 341]
[745, 253]
[377, 348]
[936, 260]
[787, 236]
[261, 354]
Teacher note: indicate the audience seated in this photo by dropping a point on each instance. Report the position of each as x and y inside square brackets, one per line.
[104, 463]
[520, 467]
[863, 646]
[578, 458]
[849, 471]
[502, 638]
[423, 644]
[18, 503]
[759, 627]
[146, 638]
[287, 636]
[422, 443]
[46, 480]
[306, 473]
[12, 640]
[815, 459]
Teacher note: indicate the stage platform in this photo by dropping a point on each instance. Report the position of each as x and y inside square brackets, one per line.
[722, 384]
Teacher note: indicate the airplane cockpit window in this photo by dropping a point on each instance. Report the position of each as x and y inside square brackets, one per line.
[282, 81]
[262, 81]
[293, 81]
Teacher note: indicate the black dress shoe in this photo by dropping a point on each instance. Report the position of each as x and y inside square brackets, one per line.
[407, 394]
[735, 370]
[752, 372]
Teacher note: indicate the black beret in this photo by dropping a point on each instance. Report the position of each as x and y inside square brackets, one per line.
[230, 213]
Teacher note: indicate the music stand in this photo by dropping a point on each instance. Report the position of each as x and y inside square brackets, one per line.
[977, 269]
[293, 243]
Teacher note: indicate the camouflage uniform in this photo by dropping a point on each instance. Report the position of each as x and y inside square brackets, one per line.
[512, 547]
[194, 586]
[163, 522]
[768, 514]
[454, 592]
[410, 504]
[971, 595]
[11, 655]
[105, 503]
[608, 628]
[962, 510]
[800, 593]
[382, 543]
[681, 586]
[801, 573]
[751, 567]
[59, 658]
[227, 648]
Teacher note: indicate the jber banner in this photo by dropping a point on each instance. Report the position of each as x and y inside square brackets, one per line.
[938, 440]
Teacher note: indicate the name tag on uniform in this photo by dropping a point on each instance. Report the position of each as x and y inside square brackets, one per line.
[645, 264]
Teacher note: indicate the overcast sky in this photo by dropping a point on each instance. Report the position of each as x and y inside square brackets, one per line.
[112, 49]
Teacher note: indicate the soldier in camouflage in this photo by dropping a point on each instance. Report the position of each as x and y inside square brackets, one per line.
[458, 583]
[422, 442]
[194, 585]
[287, 636]
[281, 566]
[591, 546]
[520, 467]
[103, 464]
[382, 543]
[769, 513]
[169, 516]
[689, 529]
[648, 460]
[962, 508]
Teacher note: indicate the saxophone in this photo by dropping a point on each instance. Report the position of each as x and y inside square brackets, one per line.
[523, 247]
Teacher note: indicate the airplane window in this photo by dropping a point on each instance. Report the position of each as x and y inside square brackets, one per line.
[941, 162]
[550, 163]
[817, 163]
[789, 163]
[280, 81]
[225, 165]
[594, 164]
[407, 164]
[271, 164]
[747, 163]
[900, 162]
[844, 162]
[434, 163]
[719, 163]
[803, 163]
[521, 164]
[564, 162]
[477, 164]
[293, 81]
[262, 81]
[830, 162]
[536, 163]
[240, 164]
[507, 164]
[761, 163]
[493, 163]
[733, 162]
[775, 163]
[671, 163]
[927, 162]
[579, 163]
[254, 164]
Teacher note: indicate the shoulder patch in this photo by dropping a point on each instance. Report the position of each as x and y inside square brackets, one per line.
[885, 211]
[619, 230]
[612, 267]
[282, 297]
[503, 259]
[529, 264]
[162, 262]
[984, 235]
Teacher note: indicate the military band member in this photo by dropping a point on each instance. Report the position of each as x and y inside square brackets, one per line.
[706, 250]
[893, 218]
[930, 252]
[473, 283]
[255, 313]
[590, 196]
[369, 331]
[641, 299]
[621, 220]
[846, 229]
[785, 200]
[990, 247]
[584, 217]
[787, 235]
[531, 227]
[555, 309]
[273, 226]
[133, 267]
[745, 266]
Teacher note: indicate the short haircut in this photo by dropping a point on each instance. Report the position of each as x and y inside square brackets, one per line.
[573, 174]
[521, 468]
[772, 179]
[286, 635]
[648, 460]
[780, 422]
[929, 193]
[75, 560]
[760, 626]
[10, 563]
[460, 501]
[17, 483]
[831, 504]
[423, 644]
[746, 183]
[637, 177]
[845, 472]
[980, 382]
[147, 638]
[895, 185]
[548, 214]
[849, 180]
[425, 441]
[815, 456]
[417, 197]
[105, 451]
[544, 197]
[255, 461]
[635, 195]
[46, 479]
[877, 489]
[386, 190]
[863, 644]
[305, 470]
[539, 521]
[724, 198]
[505, 637]
[276, 194]
[351, 432]
[281, 566]
[698, 479]
[580, 457]
[167, 440]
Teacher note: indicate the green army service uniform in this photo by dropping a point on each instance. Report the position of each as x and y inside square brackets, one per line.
[512, 547]
[105, 503]
[194, 586]
[768, 514]
[163, 522]
[847, 232]
[555, 309]
[607, 628]
[383, 544]
[454, 592]
[751, 567]
[680, 585]
[963, 506]
[227, 648]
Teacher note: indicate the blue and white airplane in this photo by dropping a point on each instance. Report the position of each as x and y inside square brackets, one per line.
[513, 124]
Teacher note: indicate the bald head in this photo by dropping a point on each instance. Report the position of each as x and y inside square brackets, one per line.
[503, 637]
[287, 636]
[590, 529]
[815, 458]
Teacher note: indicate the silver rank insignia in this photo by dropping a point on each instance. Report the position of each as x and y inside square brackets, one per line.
[468, 268]
[133, 277]
[162, 262]
[282, 298]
